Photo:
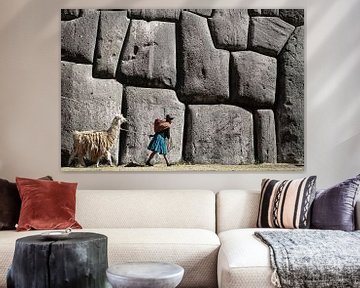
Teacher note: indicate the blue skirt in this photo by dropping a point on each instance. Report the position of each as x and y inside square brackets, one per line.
[158, 143]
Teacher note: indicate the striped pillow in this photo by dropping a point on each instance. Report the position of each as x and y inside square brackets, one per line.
[286, 204]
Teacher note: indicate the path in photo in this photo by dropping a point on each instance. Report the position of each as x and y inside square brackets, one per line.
[188, 167]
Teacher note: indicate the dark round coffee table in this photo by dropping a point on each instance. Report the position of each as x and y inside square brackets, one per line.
[145, 275]
[79, 260]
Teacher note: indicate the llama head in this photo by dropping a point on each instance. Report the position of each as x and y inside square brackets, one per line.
[118, 120]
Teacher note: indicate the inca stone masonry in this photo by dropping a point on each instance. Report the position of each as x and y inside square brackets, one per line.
[232, 78]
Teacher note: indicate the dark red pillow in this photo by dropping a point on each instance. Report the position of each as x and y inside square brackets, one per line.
[46, 204]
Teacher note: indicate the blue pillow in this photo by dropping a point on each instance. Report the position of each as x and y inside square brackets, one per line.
[334, 208]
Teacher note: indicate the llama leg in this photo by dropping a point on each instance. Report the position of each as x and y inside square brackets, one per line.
[71, 158]
[82, 161]
[108, 158]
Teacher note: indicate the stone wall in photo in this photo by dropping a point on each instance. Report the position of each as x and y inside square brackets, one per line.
[232, 78]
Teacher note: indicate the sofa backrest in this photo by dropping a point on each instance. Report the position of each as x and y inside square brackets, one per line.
[239, 209]
[146, 209]
[236, 209]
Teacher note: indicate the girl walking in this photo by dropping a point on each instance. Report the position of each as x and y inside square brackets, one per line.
[159, 143]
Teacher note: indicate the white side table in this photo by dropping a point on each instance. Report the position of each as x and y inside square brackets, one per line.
[145, 275]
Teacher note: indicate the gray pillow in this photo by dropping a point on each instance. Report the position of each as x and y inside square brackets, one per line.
[334, 208]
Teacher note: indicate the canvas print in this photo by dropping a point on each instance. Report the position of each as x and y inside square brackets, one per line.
[182, 89]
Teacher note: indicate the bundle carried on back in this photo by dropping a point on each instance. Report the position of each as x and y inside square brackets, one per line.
[161, 125]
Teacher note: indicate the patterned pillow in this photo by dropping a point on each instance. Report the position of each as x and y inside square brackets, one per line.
[286, 204]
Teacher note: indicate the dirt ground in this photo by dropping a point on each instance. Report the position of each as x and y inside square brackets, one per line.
[188, 167]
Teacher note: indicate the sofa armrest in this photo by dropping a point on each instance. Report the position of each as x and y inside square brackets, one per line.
[357, 215]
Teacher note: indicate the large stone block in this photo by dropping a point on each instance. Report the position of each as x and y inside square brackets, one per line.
[264, 12]
[202, 12]
[155, 14]
[87, 11]
[149, 57]
[270, 12]
[229, 28]
[86, 104]
[142, 106]
[78, 38]
[293, 16]
[290, 100]
[219, 134]
[265, 136]
[254, 12]
[112, 31]
[70, 14]
[112, 9]
[204, 70]
[268, 35]
[253, 77]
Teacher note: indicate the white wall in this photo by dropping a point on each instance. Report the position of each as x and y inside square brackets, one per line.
[30, 94]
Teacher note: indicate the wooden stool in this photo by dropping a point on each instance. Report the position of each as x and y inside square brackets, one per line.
[78, 261]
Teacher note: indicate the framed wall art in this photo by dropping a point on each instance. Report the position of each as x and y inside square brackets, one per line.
[182, 89]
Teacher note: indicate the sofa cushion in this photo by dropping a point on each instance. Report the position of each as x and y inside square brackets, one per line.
[146, 209]
[244, 260]
[334, 208]
[46, 204]
[10, 204]
[286, 204]
[7, 248]
[194, 249]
